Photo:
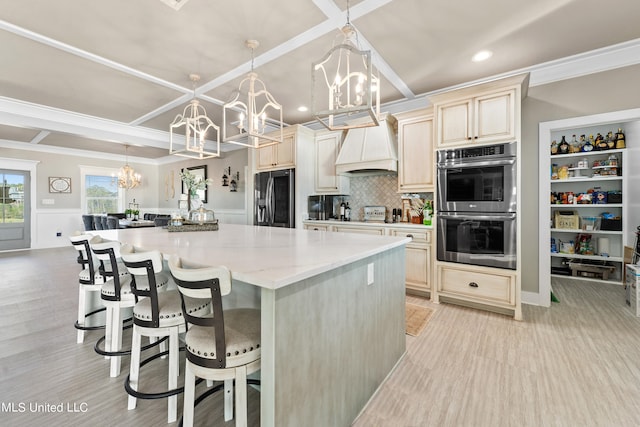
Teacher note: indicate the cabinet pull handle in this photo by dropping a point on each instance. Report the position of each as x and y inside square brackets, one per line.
[473, 284]
[475, 137]
[410, 235]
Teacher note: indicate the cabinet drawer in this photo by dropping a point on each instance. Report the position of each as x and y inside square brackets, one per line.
[477, 285]
[360, 230]
[417, 236]
[316, 227]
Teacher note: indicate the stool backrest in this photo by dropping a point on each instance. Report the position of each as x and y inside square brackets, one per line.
[209, 283]
[108, 252]
[144, 264]
[85, 257]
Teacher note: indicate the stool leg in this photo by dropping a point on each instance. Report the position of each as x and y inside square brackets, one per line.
[241, 396]
[81, 312]
[116, 340]
[228, 400]
[134, 368]
[189, 396]
[174, 370]
[108, 330]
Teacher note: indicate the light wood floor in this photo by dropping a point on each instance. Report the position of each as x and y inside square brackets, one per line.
[574, 364]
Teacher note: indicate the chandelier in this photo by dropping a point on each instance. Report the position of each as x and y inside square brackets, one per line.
[196, 125]
[127, 177]
[253, 103]
[344, 83]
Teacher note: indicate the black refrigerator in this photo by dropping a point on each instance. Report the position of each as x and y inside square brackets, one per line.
[274, 201]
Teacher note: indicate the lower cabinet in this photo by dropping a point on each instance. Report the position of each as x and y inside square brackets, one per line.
[489, 287]
[418, 251]
[418, 258]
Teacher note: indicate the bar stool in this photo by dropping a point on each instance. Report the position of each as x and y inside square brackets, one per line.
[155, 315]
[116, 295]
[89, 280]
[224, 346]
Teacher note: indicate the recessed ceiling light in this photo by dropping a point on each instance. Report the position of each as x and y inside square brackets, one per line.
[302, 109]
[482, 56]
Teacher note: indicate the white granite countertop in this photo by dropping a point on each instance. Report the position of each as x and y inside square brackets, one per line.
[268, 257]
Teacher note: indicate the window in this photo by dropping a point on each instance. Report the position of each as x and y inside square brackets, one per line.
[11, 197]
[100, 192]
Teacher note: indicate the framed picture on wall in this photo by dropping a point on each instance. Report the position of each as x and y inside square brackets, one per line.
[59, 184]
[201, 175]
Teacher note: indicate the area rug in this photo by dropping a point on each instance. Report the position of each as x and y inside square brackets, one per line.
[417, 318]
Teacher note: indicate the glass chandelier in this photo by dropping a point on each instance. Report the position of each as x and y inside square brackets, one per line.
[127, 177]
[344, 83]
[256, 111]
[196, 126]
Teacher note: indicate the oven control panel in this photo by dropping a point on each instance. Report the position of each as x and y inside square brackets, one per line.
[471, 153]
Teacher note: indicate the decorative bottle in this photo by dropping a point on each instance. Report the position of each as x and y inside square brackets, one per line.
[347, 213]
[563, 147]
[575, 145]
[620, 140]
[343, 207]
[588, 145]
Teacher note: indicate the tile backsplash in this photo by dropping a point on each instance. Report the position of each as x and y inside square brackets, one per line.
[376, 190]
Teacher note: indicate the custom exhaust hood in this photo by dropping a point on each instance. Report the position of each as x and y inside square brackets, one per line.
[370, 150]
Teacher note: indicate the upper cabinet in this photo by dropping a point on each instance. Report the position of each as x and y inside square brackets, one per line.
[281, 155]
[327, 147]
[415, 151]
[480, 114]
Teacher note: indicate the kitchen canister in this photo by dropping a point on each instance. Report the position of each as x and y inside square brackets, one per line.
[603, 246]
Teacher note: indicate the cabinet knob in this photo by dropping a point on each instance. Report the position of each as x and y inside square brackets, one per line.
[475, 137]
[473, 284]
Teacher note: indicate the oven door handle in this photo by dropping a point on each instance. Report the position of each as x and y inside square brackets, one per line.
[479, 217]
[475, 164]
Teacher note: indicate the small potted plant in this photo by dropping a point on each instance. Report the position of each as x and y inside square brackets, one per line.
[418, 206]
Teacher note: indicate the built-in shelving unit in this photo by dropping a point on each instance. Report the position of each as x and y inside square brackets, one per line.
[588, 173]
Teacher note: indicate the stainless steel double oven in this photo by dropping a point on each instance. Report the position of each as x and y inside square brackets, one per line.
[476, 221]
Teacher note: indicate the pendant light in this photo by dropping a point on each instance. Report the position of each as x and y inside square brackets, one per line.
[197, 127]
[127, 177]
[252, 113]
[344, 83]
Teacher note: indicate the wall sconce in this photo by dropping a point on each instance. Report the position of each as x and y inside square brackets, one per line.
[234, 179]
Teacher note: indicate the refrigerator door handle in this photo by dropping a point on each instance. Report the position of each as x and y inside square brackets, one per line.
[269, 200]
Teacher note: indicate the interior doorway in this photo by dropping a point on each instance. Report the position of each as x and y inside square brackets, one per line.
[15, 209]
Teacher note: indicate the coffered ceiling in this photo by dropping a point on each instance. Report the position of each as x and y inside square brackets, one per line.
[94, 75]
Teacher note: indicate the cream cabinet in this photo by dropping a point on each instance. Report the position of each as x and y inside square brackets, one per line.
[418, 254]
[481, 114]
[327, 147]
[490, 287]
[359, 229]
[415, 151]
[316, 227]
[281, 155]
[418, 258]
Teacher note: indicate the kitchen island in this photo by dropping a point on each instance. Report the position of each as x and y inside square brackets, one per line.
[332, 311]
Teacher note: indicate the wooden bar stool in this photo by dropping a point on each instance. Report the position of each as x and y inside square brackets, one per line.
[224, 346]
[116, 296]
[89, 280]
[155, 315]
